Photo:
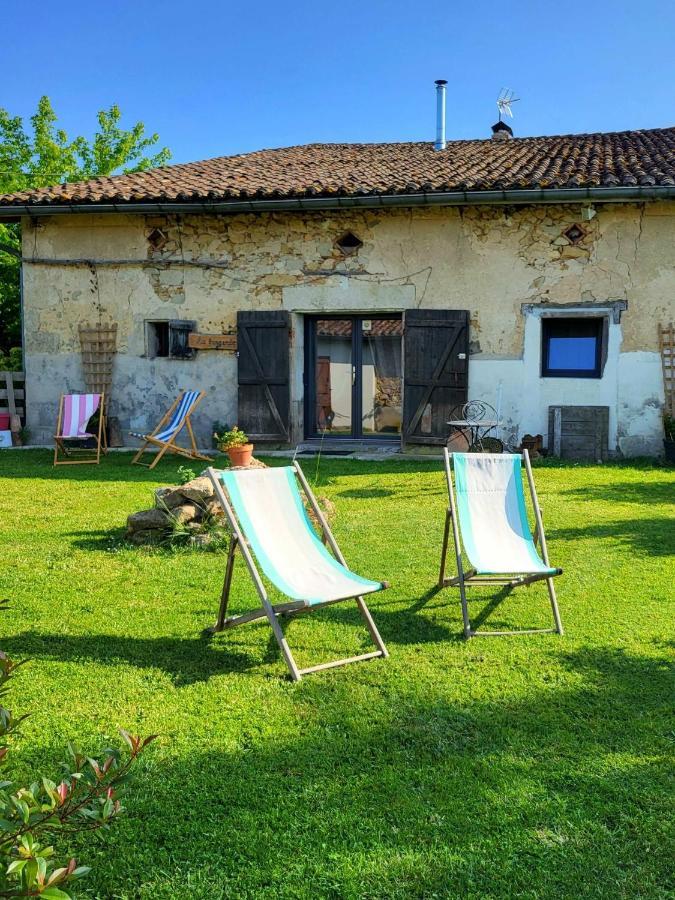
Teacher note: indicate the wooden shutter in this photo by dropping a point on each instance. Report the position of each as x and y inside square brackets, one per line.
[263, 340]
[435, 371]
[179, 331]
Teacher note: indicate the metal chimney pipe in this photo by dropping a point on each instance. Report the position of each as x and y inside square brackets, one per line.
[440, 114]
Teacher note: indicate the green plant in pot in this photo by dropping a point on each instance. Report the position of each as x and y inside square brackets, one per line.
[669, 436]
[236, 444]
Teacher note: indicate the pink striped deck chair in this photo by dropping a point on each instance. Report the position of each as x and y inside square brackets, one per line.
[75, 412]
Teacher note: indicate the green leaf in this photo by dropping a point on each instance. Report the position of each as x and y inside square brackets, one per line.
[16, 866]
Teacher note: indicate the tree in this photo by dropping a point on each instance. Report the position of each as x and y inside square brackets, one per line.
[45, 155]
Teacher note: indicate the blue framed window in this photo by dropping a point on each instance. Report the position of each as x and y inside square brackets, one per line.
[571, 347]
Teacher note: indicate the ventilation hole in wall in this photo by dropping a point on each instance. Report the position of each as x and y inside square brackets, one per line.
[348, 243]
[574, 233]
[157, 238]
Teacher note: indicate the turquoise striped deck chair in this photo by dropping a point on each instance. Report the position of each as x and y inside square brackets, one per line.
[488, 519]
[170, 426]
[267, 517]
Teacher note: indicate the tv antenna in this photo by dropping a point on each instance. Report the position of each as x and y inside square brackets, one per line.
[504, 102]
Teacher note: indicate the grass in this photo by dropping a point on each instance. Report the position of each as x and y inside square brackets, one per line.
[504, 767]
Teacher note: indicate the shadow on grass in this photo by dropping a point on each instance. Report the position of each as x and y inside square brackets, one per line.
[114, 467]
[626, 492]
[186, 660]
[652, 537]
[413, 795]
[407, 626]
[113, 540]
[117, 467]
[102, 540]
[366, 493]
[396, 626]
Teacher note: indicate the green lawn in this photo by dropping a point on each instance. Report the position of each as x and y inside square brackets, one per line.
[532, 766]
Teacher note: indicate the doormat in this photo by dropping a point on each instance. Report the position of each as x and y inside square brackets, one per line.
[325, 453]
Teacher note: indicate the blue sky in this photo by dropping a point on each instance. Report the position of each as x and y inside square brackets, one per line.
[216, 78]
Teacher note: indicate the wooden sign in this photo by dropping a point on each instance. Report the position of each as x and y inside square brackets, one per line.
[212, 341]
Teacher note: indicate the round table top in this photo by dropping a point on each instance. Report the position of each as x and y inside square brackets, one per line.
[474, 423]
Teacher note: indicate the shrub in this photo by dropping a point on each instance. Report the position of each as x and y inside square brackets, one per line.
[12, 361]
[185, 474]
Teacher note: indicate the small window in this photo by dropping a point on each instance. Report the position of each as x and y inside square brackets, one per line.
[572, 348]
[574, 233]
[349, 243]
[157, 239]
[170, 339]
[158, 338]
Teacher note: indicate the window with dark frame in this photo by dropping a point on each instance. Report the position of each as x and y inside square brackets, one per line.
[169, 339]
[572, 347]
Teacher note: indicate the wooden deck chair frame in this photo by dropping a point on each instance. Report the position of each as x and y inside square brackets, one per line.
[271, 612]
[78, 456]
[470, 577]
[149, 440]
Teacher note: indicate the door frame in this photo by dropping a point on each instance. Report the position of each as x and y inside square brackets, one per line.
[309, 377]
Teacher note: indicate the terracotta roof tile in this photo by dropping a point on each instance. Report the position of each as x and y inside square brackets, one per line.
[626, 158]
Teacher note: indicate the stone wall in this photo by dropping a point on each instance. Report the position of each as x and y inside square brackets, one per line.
[492, 261]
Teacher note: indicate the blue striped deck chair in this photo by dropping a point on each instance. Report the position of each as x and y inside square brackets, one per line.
[168, 429]
[267, 517]
[489, 519]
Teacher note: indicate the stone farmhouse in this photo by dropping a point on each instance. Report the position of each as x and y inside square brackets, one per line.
[362, 292]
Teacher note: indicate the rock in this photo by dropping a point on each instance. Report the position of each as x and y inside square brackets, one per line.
[198, 491]
[213, 508]
[326, 506]
[187, 512]
[148, 538]
[167, 498]
[146, 520]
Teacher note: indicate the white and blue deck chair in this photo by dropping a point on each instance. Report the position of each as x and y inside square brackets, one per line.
[168, 429]
[490, 520]
[267, 518]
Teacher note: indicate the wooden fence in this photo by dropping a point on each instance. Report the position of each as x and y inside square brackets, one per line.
[13, 394]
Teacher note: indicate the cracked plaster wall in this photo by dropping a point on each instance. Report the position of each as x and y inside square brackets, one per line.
[489, 260]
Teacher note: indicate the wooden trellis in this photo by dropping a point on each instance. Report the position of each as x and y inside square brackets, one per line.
[667, 348]
[98, 344]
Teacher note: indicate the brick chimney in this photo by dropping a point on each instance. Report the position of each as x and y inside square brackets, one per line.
[501, 131]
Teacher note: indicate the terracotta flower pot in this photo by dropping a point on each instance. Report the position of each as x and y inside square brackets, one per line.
[240, 456]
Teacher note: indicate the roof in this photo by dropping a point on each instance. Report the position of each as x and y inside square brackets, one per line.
[342, 328]
[625, 159]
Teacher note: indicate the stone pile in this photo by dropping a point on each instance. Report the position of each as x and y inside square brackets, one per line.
[192, 507]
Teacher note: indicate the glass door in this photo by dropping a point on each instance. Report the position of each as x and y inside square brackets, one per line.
[333, 377]
[353, 377]
[381, 375]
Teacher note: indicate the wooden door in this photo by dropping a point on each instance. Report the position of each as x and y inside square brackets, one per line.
[263, 343]
[435, 371]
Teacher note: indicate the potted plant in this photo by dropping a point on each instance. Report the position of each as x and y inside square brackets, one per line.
[236, 444]
[669, 437]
